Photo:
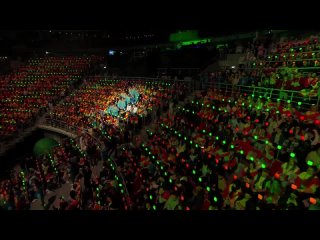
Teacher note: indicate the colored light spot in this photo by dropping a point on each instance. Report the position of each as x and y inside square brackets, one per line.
[215, 199]
[208, 189]
[302, 138]
[251, 158]
[299, 103]
[279, 147]
[310, 163]
[255, 137]
[204, 131]
[260, 197]
[182, 198]
[294, 187]
[150, 197]
[263, 165]
[292, 155]
[217, 137]
[200, 179]
[193, 171]
[210, 134]
[241, 151]
[197, 145]
[312, 200]
[224, 142]
[170, 180]
[247, 185]
[191, 142]
[154, 207]
[232, 146]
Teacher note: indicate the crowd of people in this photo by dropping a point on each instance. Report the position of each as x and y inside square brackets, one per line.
[220, 152]
[96, 104]
[214, 152]
[289, 65]
[230, 150]
[65, 164]
[35, 87]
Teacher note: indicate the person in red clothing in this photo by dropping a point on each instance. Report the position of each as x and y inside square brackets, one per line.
[74, 203]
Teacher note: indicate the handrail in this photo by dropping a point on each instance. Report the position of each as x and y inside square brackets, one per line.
[135, 78]
[274, 94]
[279, 53]
[288, 60]
[262, 68]
[165, 68]
[189, 83]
